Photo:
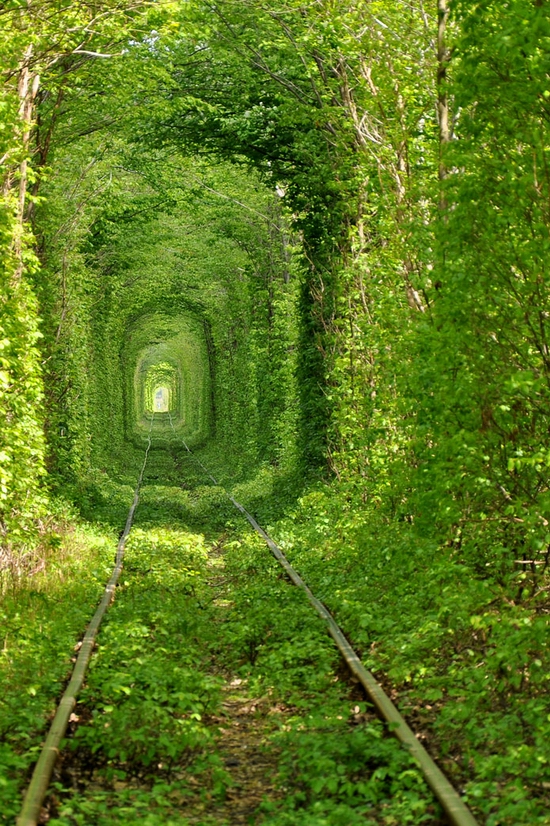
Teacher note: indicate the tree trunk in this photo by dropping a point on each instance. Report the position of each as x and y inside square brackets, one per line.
[442, 98]
[27, 89]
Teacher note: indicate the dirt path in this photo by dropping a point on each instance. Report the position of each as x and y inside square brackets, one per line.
[246, 754]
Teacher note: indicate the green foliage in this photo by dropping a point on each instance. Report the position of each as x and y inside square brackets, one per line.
[488, 353]
[340, 775]
[465, 657]
[34, 37]
[40, 624]
[146, 697]
[170, 292]
[22, 502]
[335, 768]
[149, 716]
[385, 315]
[21, 392]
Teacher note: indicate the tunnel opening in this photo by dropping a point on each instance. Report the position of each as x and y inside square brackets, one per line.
[167, 357]
[161, 389]
[161, 402]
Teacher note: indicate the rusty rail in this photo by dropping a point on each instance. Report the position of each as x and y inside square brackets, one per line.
[450, 800]
[36, 791]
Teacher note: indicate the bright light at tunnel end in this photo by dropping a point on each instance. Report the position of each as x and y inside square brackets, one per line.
[171, 378]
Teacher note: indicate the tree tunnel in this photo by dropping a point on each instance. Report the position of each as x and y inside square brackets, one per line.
[191, 322]
[168, 385]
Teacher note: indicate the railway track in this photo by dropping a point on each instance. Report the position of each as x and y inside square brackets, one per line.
[454, 807]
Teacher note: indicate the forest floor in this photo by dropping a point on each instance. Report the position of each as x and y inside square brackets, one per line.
[214, 695]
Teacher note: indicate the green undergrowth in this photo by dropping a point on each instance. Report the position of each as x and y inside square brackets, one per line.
[40, 622]
[466, 650]
[177, 490]
[189, 615]
[149, 714]
[337, 765]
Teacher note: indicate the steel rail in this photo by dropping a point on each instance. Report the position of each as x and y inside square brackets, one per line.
[450, 800]
[36, 791]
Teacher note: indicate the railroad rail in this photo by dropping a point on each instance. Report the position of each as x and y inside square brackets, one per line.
[42, 774]
[454, 807]
[450, 800]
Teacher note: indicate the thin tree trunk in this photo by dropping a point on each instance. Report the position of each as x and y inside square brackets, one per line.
[442, 97]
[27, 89]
